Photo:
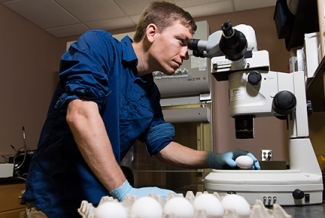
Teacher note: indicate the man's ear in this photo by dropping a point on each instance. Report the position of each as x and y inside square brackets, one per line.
[151, 32]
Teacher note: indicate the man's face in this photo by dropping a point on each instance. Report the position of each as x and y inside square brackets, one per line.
[169, 48]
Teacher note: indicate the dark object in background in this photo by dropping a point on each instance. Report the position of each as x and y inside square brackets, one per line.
[273, 165]
[128, 173]
[284, 19]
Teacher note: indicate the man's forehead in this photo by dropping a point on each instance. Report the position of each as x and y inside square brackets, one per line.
[186, 26]
[189, 27]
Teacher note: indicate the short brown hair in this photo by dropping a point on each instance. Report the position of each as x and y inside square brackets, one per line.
[162, 14]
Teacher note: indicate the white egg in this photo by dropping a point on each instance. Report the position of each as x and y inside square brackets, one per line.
[210, 204]
[110, 210]
[179, 207]
[236, 203]
[146, 207]
[244, 162]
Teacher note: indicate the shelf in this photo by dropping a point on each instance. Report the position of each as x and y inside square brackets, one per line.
[315, 88]
[306, 21]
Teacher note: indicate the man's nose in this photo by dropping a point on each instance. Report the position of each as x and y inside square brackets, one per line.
[184, 53]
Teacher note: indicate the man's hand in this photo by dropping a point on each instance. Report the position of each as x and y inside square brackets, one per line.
[127, 189]
[227, 160]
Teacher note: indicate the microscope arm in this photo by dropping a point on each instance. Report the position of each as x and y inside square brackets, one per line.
[277, 94]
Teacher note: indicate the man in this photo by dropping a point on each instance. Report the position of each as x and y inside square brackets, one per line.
[106, 99]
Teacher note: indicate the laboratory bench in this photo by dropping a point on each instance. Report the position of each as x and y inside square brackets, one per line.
[10, 197]
[307, 211]
[10, 206]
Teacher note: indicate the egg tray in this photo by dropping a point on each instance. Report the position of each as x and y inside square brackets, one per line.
[258, 210]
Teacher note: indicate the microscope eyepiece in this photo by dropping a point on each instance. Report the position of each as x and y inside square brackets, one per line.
[227, 29]
[244, 125]
[192, 44]
[233, 43]
[198, 53]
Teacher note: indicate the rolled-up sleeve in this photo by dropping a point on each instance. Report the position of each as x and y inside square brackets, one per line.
[85, 68]
[159, 137]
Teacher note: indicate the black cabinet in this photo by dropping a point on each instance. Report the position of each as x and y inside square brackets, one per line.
[305, 21]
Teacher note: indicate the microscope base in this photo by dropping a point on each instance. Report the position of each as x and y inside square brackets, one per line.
[269, 186]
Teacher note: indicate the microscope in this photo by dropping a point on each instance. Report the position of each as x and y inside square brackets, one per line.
[255, 91]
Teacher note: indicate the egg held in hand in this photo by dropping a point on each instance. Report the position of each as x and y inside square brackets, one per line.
[244, 162]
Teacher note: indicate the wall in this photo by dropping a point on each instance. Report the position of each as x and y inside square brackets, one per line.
[28, 71]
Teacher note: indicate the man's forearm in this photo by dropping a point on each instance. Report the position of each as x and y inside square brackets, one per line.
[90, 135]
[182, 156]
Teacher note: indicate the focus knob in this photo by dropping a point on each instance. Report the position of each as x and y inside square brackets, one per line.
[284, 102]
[298, 194]
[254, 78]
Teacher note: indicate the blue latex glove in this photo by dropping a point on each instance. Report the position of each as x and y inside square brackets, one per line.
[126, 189]
[227, 160]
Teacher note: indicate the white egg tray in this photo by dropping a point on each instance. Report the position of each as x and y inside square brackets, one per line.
[258, 210]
